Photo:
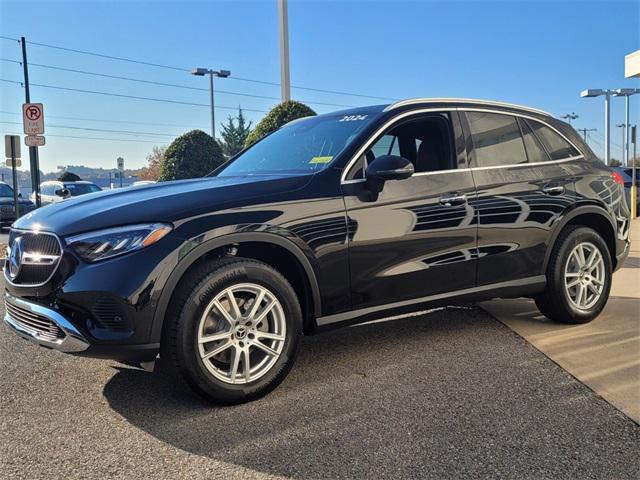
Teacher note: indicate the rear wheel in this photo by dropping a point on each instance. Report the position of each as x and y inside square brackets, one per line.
[578, 277]
[234, 329]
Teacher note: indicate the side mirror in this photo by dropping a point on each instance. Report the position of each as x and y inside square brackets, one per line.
[20, 195]
[63, 192]
[387, 167]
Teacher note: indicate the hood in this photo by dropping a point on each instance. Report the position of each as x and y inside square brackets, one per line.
[160, 202]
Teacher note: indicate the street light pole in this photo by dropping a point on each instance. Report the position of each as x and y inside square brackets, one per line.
[598, 92]
[570, 116]
[283, 17]
[201, 72]
[626, 93]
[213, 115]
[607, 127]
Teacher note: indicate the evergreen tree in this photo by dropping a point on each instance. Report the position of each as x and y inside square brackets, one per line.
[234, 136]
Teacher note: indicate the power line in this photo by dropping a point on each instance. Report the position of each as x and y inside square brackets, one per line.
[135, 97]
[96, 138]
[182, 69]
[84, 119]
[164, 84]
[129, 132]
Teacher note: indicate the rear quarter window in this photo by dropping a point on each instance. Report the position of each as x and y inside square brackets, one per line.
[556, 146]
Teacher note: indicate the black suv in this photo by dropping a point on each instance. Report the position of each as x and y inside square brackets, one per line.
[330, 220]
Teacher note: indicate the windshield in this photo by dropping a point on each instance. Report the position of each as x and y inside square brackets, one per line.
[81, 188]
[5, 190]
[304, 146]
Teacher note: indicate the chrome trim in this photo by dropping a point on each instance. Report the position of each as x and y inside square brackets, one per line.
[371, 139]
[73, 341]
[493, 103]
[7, 277]
[341, 317]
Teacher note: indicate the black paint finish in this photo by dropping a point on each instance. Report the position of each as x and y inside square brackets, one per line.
[482, 232]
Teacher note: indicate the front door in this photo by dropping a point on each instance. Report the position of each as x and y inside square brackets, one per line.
[418, 237]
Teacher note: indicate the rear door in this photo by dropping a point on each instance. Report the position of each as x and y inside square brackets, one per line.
[523, 177]
[418, 237]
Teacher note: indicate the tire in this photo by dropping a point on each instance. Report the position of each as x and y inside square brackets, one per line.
[567, 275]
[201, 342]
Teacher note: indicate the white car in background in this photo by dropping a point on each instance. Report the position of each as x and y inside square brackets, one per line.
[56, 191]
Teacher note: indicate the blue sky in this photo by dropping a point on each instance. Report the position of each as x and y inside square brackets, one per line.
[540, 54]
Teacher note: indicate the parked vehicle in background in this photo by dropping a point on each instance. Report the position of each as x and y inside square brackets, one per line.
[55, 191]
[143, 182]
[331, 220]
[626, 173]
[7, 207]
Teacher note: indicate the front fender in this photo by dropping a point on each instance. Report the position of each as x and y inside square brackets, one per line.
[192, 250]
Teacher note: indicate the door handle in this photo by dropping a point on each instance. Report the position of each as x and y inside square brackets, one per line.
[553, 189]
[453, 199]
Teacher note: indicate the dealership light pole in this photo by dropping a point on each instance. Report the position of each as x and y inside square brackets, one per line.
[570, 116]
[201, 72]
[626, 93]
[283, 17]
[598, 92]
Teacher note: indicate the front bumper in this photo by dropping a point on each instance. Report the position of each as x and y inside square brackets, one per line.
[49, 328]
[43, 326]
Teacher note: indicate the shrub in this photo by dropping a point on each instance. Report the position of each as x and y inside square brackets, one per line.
[277, 117]
[191, 155]
[69, 177]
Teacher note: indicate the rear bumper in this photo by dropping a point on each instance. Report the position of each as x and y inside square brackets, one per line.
[49, 328]
[621, 257]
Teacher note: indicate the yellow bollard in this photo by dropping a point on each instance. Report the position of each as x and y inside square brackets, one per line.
[634, 201]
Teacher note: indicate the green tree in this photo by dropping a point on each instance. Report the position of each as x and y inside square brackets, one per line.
[234, 136]
[191, 155]
[277, 117]
[68, 176]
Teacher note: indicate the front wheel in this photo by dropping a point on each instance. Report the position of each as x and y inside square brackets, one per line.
[578, 277]
[234, 329]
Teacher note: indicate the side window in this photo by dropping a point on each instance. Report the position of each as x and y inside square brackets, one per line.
[557, 147]
[535, 150]
[496, 139]
[46, 190]
[387, 145]
[426, 142]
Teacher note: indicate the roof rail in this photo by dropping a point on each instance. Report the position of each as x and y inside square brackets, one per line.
[412, 101]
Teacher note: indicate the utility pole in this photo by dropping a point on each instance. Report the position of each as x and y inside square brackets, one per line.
[283, 16]
[34, 163]
[585, 131]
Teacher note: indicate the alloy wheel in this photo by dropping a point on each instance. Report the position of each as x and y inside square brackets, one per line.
[241, 333]
[584, 276]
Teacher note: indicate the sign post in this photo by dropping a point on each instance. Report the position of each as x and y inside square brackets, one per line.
[120, 161]
[12, 152]
[33, 122]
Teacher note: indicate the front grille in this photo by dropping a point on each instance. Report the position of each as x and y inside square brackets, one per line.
[34, 323]
[44, 244]
[7, 209]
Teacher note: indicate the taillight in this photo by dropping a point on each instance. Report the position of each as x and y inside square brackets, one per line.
[617, 178]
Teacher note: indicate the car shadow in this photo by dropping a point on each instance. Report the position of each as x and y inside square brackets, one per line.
[384, 399]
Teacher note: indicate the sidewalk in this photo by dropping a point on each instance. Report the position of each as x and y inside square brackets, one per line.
[603, 354]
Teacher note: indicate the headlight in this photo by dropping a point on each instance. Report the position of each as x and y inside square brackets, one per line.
[101, 244]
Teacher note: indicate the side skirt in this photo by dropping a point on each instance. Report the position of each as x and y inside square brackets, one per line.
[511, 289]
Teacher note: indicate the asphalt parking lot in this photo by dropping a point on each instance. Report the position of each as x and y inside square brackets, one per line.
[449, 394]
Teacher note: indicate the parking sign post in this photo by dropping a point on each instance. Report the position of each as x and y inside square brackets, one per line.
[34, 162]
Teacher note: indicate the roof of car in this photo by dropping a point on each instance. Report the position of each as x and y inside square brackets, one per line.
[462, 101]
